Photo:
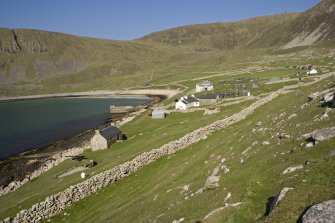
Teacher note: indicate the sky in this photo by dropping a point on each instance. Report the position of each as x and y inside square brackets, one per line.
[130, 19]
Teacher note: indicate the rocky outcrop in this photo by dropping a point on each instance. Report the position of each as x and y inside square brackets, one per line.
[321, 134]
[320, 213]
[292, 169]
[212, 182]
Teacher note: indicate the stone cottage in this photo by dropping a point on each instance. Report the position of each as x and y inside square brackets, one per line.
[104, 138]
[158, 113]
[204, 86]
[208, 99]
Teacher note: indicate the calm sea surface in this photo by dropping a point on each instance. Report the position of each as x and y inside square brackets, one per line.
[29, 124]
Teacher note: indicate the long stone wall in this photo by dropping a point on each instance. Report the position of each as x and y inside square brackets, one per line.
[58, 202]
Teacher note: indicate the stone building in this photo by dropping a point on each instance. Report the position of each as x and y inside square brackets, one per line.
[187, 102]
[104, 138]
[208, 99]
[204, 86]
[158, 113]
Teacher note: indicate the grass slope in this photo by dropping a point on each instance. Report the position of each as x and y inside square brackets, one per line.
[154, 193]
[143, 135]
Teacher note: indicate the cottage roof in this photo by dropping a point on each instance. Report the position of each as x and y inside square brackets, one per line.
[191, 99]
[205, 83]
[158, 111]
[226, 93]
[208, 96]
[110, 132]
[185, 102]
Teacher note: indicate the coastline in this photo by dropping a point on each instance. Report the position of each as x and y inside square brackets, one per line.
[134, 93]
[19, 168]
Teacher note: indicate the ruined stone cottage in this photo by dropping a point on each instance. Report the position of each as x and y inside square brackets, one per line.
[104, 138]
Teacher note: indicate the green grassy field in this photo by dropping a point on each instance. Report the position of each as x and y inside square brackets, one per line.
[154, 193]
[143, 135]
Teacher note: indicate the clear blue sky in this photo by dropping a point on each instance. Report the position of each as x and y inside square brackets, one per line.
[129, 19]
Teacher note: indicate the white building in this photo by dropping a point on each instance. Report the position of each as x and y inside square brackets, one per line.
[204, 86]
[187, 102]
[313, 71]
[158, 113]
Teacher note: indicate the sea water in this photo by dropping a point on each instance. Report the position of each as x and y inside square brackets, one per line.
[31, 124]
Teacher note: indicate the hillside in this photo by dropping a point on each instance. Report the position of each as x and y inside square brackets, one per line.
[39, 62]
[221, 36]
[35, 58]
[313, 26]
[229, 161]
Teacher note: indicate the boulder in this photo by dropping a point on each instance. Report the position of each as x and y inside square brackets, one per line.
[313, 96]
[265, 143]
[323, 134]
[212, 182]
[292, 116]
[328, 97]
[320, 213]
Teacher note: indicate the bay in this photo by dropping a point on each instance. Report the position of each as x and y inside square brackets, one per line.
[31, 124]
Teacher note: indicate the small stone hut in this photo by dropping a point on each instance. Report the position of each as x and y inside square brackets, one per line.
[208, 99]
[158, 113]
[104, 138]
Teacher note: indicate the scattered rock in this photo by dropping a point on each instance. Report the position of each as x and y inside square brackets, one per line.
[284, 136]
[320, 213]
[221, 208]
[212, 182]
[265, 143]
[292, 116]
[278, 198]
[215, 171]
[292, 169]
[178, 221]
[328, 97]
[313, 96]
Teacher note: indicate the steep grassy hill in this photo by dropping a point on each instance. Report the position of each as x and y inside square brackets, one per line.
[220, 36]
[30, 57]
[35, 62]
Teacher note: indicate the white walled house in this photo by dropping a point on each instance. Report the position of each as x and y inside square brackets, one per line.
[204, 86]
[187, 102]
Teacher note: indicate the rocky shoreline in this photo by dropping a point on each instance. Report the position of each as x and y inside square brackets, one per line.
[19, 169]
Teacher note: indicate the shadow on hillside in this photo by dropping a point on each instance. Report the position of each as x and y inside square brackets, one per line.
[267, 208]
